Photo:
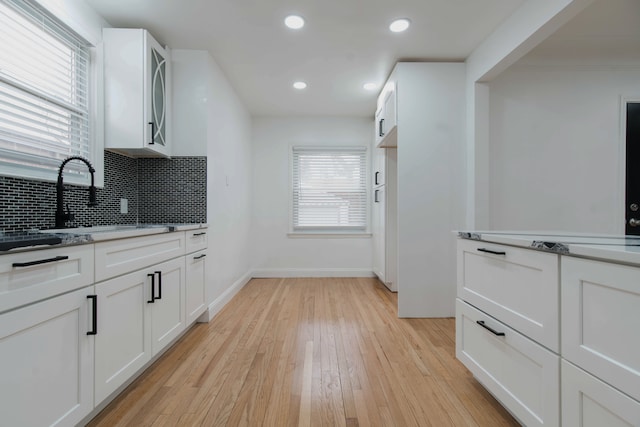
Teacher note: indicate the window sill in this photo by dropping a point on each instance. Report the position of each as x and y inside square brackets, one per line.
[327, 235]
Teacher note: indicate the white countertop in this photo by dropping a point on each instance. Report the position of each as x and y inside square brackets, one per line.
[617, 248]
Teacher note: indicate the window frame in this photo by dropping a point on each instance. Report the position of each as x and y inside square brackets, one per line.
[83, 25]
[330, 232]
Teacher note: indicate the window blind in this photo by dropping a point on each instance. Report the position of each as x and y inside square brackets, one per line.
[44, 92]
[329, 189]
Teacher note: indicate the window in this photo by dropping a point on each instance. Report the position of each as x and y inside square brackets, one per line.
[329, 189]
[44, 94]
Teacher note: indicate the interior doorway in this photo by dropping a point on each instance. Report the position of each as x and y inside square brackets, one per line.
[632, 167]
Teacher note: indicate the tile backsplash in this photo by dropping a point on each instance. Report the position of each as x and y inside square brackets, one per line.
[157, 190]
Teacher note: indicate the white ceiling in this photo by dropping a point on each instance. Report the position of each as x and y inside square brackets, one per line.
[344, 43]
[607, 31]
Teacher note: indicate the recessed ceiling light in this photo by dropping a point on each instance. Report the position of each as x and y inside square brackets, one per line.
[294, 22]
[300, 85]
[370, 86]
[399, 25]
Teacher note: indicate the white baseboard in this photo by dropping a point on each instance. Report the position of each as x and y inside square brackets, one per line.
[217, 305]
[311, 272]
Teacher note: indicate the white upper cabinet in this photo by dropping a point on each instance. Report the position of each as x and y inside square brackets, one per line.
[137, 93]
[386, 117]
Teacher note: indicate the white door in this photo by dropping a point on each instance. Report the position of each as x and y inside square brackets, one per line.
[378, 229]
[589, 402]
[46, 368]
[123, 342]
[167, 313]
[194, 284]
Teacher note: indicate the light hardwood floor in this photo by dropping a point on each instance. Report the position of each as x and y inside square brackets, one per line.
[309, 352]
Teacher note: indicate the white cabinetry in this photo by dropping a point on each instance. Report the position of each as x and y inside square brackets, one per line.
[384, 218]
[26, 277]
[430, 135]
[523, 375]
[517, 286]
[140, 312]
[47, 362]
[590, 333]
[507, 312]
[195, 285]
[589, 402]
[137, 93]
[600, 320]
[386, 117]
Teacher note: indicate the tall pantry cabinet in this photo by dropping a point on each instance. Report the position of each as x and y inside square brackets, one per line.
[427, 128]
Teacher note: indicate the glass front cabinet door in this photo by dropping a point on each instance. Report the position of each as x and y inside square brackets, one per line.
[137, 93]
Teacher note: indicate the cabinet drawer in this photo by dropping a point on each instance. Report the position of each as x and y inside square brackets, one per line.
[517, 286]
[523, 375]
[116, 257]
[600, 320]
[588, 402]
[196, 240]
[62, 269]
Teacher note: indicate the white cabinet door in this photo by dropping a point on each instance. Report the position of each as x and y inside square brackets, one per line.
[378, 232]
[522, 375]
[47, 362]
[379, 163]
[137, 89]
[378, 119]
[168, 311]
[600, 321]
[589, 402]
[195, 285]
[123, 342]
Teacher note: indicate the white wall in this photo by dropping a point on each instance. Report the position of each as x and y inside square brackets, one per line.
[275, 253]
[211, 120]
[556, 147]
[532, 23]
[229, 188]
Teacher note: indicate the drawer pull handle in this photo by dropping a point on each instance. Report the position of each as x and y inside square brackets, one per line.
[159, 273]
[94, 315]
[153, 288]
[200, 256]
[489, 251]
[493, 331]
[40, 261]
[198, 234]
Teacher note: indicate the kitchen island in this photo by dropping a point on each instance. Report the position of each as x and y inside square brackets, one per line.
[548, 323]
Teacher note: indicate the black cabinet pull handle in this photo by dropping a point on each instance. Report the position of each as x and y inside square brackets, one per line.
[493, 331]
[198, 234]
[94, 315]
[153, 133]
[153, 288]
[40, 261]
[380, 132]
[375, 197]
[489, 251]
[159, 273]
[376, 179]
[200, 256]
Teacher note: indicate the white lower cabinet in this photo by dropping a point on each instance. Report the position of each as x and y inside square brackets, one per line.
[600, 321]
[589, 402]
[520, 373]
[138, 315]
[47, 362]
[195, 299]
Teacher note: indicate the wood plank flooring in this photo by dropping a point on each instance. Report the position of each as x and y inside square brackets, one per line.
[309, 352]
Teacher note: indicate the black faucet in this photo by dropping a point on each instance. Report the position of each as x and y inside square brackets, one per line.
[61, 216]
